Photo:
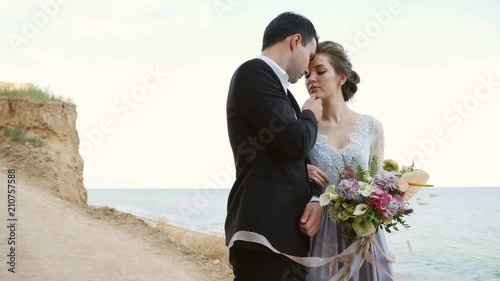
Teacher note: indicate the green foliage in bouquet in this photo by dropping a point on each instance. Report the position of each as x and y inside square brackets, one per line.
[366, 200]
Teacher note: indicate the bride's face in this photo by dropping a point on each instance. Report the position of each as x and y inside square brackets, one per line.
[322, 79]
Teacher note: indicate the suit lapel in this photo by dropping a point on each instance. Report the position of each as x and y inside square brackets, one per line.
[289, 96]
[294, 103]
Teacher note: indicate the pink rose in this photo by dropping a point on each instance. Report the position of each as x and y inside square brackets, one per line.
[379, 201]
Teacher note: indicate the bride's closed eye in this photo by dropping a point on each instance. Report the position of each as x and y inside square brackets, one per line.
[319, 73]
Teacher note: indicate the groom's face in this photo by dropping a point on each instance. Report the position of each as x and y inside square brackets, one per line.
[301, 57]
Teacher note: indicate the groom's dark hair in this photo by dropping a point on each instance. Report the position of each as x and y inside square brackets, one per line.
[286, 24]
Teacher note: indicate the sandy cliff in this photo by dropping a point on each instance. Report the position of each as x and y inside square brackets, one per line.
[40, 140]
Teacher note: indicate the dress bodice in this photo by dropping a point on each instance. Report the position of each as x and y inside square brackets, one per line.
[360, 147]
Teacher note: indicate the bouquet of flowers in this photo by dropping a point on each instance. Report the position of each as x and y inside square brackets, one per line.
[365, 201]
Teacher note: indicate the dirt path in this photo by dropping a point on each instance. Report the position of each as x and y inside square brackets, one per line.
[58, 241]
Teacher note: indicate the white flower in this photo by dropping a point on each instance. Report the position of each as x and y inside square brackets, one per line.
[416, 177]
[360, 209]
[328, 196]
[410, 183]
[365, 189]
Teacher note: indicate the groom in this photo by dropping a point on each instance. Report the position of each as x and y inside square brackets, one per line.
[270, 138]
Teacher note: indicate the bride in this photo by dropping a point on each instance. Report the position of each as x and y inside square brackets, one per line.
[343, 133]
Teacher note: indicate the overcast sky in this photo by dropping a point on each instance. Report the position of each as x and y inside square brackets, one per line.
[150, 79]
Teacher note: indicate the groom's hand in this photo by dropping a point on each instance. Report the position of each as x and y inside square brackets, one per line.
[311, 219]
[314, 104]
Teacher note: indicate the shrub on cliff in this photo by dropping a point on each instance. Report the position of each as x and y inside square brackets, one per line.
[29, 90]
[19, 136]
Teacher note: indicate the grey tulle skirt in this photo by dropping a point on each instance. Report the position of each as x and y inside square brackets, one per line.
[327, 242]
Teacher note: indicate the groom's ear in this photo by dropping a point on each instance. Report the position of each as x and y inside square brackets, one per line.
[295, 41]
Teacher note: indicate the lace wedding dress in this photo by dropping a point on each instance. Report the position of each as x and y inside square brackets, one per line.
[366, 139]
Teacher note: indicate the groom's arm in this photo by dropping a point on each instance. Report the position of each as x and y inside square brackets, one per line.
[264, 105]
[312, 216]
[315, 190]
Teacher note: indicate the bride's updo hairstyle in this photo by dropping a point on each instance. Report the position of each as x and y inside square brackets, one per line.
[338, 59]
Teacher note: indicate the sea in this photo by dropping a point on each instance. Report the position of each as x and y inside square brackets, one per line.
[454, 234]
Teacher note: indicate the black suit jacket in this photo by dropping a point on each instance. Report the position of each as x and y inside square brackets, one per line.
[270, 145]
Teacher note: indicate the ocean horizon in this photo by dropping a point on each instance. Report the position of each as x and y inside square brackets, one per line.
[452, 238]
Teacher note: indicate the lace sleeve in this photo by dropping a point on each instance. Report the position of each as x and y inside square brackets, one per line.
[378, 142]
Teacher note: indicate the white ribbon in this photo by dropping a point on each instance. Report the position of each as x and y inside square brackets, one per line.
[350, 256]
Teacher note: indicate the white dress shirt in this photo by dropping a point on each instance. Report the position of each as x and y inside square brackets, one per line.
[282, 75]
